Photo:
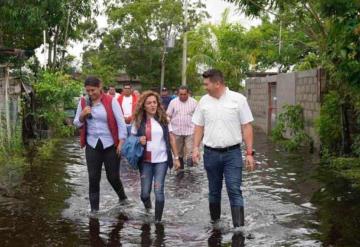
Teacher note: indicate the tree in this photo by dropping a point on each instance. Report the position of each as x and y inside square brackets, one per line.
[220, 46]
[22, 24]
[135, 41]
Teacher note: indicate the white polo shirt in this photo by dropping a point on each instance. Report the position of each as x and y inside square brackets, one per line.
[222, 118]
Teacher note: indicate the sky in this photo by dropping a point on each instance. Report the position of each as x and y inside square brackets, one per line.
[214, 7]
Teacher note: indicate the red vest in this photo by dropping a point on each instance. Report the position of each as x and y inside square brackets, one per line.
[106, 100]
[133, 106]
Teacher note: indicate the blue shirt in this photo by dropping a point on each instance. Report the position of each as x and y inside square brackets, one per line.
[98, 127]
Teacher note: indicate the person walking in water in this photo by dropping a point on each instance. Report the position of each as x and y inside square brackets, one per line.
[218, 119]
[155, 133]
[180, 111]
[102, 132]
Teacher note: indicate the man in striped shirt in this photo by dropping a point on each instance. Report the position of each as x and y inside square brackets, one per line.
[180, 111]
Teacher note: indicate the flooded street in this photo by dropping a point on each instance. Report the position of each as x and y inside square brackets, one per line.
[51, 206]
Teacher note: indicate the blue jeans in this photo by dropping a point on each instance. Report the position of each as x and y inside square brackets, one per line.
[148, 173]
[224, 164]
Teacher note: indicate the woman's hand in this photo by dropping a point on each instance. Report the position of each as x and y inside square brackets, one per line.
[118, 148]
[177, 164]
[85, 113]
[143, 140]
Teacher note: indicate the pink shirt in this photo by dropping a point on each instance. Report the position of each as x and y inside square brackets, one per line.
[180, 114]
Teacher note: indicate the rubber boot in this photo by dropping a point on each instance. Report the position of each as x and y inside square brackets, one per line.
[121, 192]
[159, 208]
[237, 214]
[147, 203]
[215, 211]
[189, 162]
[182, 166]
[94, 201]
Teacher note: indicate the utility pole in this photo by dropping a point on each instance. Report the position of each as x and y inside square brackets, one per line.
[45, 61]
[163, 64]
[184, 56]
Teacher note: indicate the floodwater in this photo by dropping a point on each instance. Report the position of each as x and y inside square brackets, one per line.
[50, 207]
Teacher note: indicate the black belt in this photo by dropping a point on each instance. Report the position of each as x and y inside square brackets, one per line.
[223, 149]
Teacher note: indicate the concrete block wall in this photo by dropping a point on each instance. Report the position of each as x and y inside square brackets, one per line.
[307, 93]
[304, 88]
[256, 92]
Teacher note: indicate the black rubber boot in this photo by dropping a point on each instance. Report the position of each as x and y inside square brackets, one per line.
[94, 201]
[237, 214]
[159, 208]
[189, 162]
[238, 240]
[147, 203]
[215, 211]
[121, 192]
[182, 166]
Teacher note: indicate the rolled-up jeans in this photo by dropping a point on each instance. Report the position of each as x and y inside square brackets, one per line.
[226, 164]
[150, 172]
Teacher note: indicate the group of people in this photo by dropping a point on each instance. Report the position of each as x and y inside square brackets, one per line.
[171, 133]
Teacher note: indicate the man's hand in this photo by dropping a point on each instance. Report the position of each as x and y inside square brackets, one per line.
[196, 156]
[176, 164]
[250, 163]
[128, 120]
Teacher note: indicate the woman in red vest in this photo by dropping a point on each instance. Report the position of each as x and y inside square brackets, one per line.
[102, 132]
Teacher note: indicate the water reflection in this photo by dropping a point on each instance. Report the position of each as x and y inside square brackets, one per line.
[114, 237]
[338, 205]
[215, 239]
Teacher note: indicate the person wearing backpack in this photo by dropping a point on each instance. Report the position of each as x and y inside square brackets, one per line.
[102, 133]
[152, 127]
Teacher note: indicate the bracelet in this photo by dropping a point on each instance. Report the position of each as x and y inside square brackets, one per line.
[176, 157]
[250, 153]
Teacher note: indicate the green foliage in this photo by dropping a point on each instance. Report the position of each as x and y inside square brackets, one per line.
[356, 145]
[134, 43]
[22, 24]
[290, 123]
[54, 93]
[329, 123]
[219, 46]
[311, 61]
[348, 168]
[47, 149]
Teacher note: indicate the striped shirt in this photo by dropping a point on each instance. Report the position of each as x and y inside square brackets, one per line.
[180, 114]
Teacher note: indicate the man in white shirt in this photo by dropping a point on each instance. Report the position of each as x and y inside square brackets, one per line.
[219, 119]
[127, 101]
[180, 111]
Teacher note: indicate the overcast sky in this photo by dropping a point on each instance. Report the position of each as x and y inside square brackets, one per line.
[214, 7]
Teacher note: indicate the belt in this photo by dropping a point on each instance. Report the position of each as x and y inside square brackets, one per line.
[226, 149]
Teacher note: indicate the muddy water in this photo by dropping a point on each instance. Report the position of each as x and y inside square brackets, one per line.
[51, 206]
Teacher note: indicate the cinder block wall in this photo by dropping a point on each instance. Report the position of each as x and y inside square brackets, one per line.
[256, 92]
[308, 95]
[304, 88]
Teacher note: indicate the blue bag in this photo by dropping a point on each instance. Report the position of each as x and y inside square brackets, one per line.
[133, 151]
